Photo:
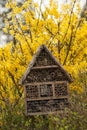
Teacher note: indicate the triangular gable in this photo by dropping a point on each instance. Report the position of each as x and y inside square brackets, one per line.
[44, 59]
[36, 58]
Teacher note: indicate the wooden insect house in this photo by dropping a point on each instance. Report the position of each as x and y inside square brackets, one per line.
[46, 84]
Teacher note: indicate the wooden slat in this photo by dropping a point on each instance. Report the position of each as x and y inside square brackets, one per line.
[45, 67]
[44, 113]
[53, 90]
[46, 98]
[25, 100]
[40, 83]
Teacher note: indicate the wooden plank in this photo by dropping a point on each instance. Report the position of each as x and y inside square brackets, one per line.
[45, 67]
[39, 83]
[45, 113]
[46, 98]
[53, 90]
[25, 100]
[38, 91]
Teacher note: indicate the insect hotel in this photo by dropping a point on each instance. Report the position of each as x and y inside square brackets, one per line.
[46, 84]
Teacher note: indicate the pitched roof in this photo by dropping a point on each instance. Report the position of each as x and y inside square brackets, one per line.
[34, 60]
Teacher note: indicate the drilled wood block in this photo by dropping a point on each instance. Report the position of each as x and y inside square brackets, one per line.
[46, 90]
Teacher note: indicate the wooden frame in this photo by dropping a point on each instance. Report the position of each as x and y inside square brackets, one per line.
[54, 98]
[42, 83]
[45, 98]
